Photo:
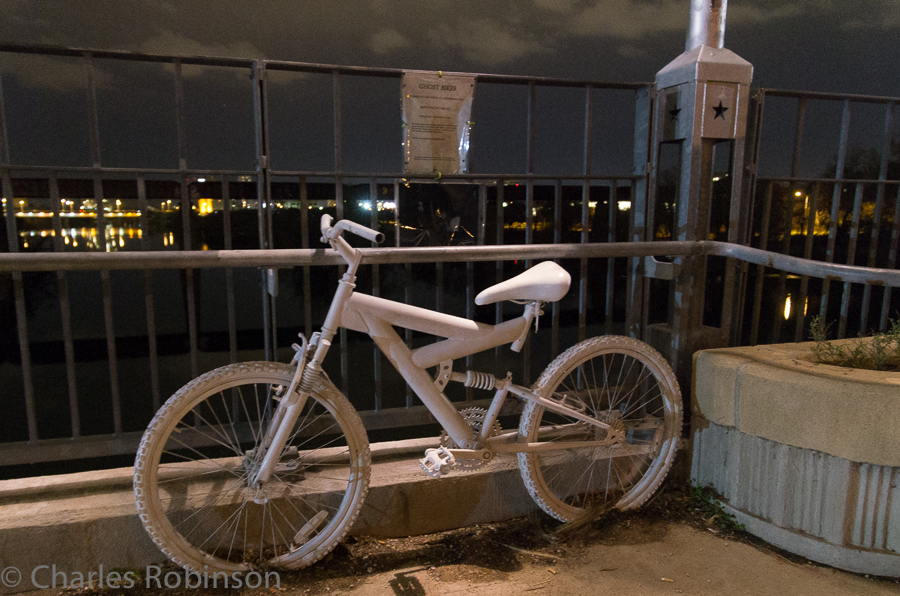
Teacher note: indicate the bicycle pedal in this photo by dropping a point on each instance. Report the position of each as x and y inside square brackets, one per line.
[437, 462]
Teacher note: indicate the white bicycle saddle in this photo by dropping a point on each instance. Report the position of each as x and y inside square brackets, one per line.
[545, 282]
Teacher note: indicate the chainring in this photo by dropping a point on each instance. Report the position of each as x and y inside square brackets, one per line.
[475, 418]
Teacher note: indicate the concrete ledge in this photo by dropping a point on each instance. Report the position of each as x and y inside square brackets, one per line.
[80, 521]
[858, 561]
[776, 392]
[806, 455]
[827, 509]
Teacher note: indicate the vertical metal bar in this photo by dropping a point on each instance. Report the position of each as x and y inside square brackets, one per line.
[106, 285]
[304, 243]
[529, 203]
[482, 214]
[376, 291]
[835, 204]
[785, 249]
[407, 333]
[583, 272]
[798, 137]
[180, 117]
[18, 287]
[498, 268]
[585, 211]
[851, 258]
[529, 147]
[9, 211]
[65, 311]
[470, 314]
[879, 212]
[557, 239]
[187, 240]
[12, 231]
[339, 200]
[645, 152]
[761, 269]
[891, 262]
[93, 119]
[813, 204]
[152, 348]
[4, 139]
[612, 209]
[439, 287]
[106, 288]
[25, 353]
[94, 130]
[529, 215]
[470, 269]
[529, 236]
[588, 128]
[740, 231]
[264, 205]
[229, 272]
[396, 213]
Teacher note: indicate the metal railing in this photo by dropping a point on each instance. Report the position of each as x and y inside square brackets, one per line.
[375, 414]
[841, 214]
[94, 341]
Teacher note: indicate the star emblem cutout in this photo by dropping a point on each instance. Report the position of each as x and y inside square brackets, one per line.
[674, 112]
[720, 111]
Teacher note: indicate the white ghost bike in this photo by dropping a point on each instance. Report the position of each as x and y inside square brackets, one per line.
[263, 464]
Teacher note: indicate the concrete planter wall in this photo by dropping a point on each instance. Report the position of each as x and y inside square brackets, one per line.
[806, 455]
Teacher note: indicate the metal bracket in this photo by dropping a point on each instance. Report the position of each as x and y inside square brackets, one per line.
[661, 269]
[272, 281]
[442, 376]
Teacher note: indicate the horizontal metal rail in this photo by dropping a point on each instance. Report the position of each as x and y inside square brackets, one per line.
[281, 258]
[48, 50]
[826, 96]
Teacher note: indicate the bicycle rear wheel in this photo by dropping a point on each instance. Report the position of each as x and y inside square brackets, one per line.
[192, 469]
[625, 384]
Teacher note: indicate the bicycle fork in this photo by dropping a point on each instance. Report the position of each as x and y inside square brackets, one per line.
[293, 400]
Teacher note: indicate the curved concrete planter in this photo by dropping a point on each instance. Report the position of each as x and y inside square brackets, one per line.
[806, 455]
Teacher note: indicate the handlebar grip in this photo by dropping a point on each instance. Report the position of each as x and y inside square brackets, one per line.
[329, 232]
[325, 223]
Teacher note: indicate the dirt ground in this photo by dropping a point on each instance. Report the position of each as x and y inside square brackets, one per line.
[680, 543]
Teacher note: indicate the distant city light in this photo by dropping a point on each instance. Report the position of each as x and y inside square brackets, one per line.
[624, 205]
[201, 179]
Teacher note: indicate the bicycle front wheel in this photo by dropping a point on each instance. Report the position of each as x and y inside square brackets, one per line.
[192, 469]
[629, 386]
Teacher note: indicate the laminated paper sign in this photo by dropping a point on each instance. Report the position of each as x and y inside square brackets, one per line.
[436, 118]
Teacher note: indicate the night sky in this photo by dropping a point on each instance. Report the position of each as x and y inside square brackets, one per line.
[817, 45]
[813, 45]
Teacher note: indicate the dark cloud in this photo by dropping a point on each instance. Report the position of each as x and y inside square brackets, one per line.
[618, 39]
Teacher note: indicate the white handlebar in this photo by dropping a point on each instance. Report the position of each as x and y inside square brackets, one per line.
[330, 232]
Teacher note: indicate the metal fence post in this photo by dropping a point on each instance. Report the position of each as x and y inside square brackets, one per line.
[702, 104]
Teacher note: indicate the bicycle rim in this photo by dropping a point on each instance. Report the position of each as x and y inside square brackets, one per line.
[624, 383]
[192, 470]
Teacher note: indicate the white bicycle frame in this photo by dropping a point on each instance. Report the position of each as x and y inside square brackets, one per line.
[377, 317]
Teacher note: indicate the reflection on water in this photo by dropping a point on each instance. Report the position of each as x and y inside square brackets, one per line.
[123, 237]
